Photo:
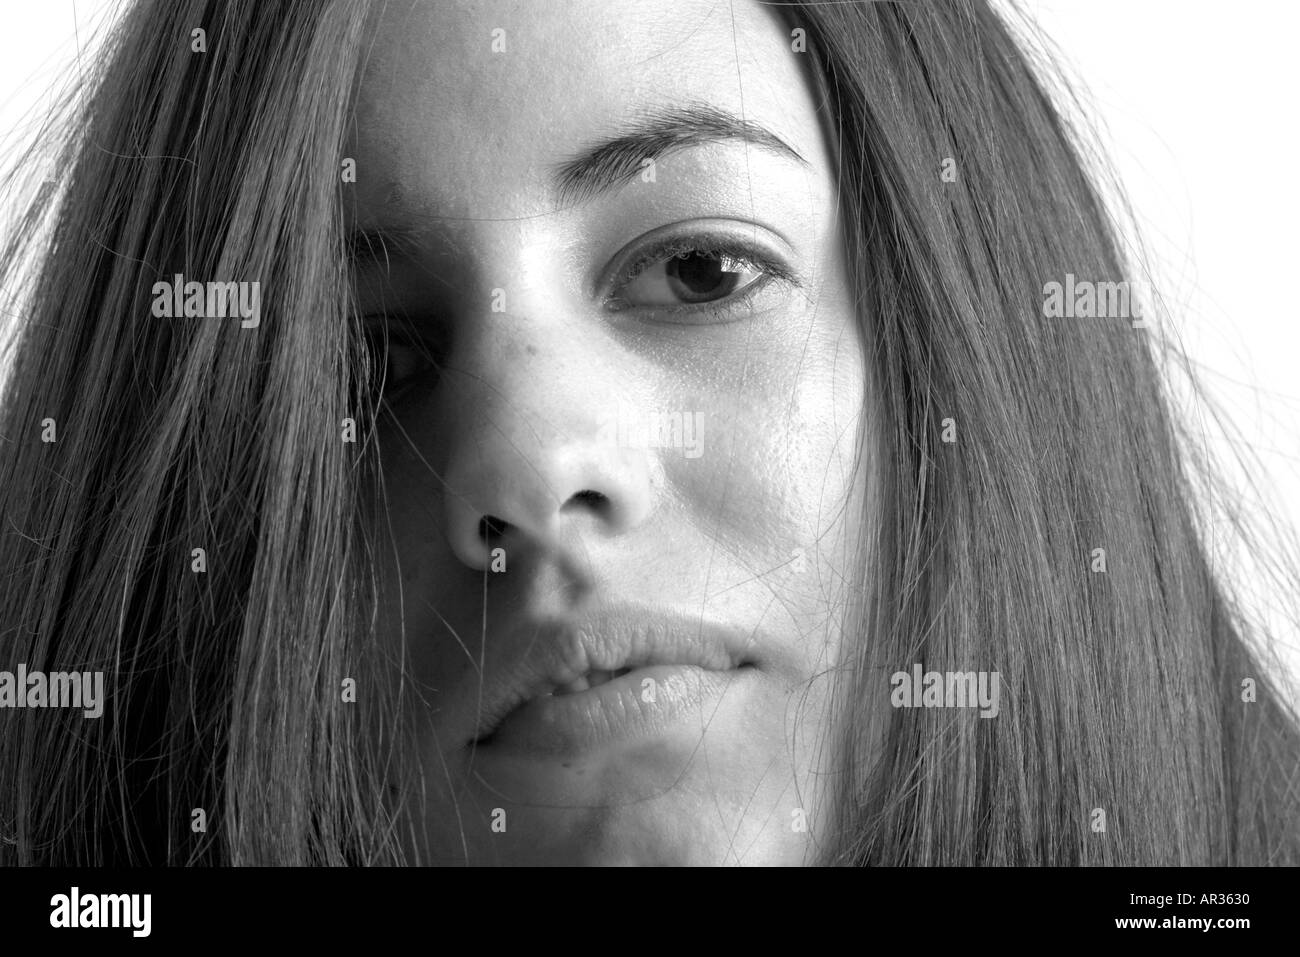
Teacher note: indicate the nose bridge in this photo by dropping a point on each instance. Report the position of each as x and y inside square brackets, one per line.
[529, 449]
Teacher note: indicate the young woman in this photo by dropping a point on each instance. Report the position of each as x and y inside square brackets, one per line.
[604, 433]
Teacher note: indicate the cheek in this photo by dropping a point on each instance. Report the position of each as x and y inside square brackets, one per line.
[411, 531]
[778, 490]
[776, 476]
[423, 585]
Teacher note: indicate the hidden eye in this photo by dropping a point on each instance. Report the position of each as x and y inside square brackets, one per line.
[400, 358]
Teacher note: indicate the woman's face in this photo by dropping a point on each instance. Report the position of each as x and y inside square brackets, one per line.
[621, 506]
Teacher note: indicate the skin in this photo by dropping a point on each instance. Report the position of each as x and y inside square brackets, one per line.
[457, 143]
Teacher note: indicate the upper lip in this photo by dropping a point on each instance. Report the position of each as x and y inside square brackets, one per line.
[547, 654]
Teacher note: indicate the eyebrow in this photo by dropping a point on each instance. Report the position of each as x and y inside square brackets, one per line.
[658, 134]
[381, 244]
[601, 168]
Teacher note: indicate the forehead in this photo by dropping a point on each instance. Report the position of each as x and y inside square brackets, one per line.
[470, 104]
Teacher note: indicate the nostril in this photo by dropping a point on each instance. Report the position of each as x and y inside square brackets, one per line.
[588, 499]
[490, 527]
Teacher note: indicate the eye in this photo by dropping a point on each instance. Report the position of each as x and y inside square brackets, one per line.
[694, 274]
[400, 357]
[690, 277]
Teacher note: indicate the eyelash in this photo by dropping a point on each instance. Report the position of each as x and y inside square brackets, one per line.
[664, 249]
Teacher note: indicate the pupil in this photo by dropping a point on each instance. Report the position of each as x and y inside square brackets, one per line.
[696, 276]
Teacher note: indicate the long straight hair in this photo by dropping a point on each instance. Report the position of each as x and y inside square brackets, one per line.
[1052, 538]
[224, 685]
[224, 738]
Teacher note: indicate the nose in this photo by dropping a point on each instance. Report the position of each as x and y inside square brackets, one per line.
[531, 461]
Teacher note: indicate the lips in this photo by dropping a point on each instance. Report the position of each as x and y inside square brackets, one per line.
[593, 679]
[611, 678]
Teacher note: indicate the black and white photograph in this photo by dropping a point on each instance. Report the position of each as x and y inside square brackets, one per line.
[650, 433]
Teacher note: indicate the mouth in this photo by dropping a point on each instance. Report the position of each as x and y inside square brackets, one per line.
[611, 680]
[592, 679]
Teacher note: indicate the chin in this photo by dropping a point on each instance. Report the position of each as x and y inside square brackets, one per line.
[671, 831]
[676, 800]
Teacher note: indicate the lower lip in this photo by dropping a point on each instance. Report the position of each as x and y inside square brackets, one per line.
[646, 703]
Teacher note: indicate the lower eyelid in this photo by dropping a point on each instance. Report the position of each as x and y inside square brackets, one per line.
[732, 308]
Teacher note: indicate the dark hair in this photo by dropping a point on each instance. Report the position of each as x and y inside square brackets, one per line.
[224, 687]
[1126, 685]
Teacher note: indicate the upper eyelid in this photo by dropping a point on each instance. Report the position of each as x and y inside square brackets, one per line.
[662, 252]
[385, 324]
[724, 235]
[401, 330]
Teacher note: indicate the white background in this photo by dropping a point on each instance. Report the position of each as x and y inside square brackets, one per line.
[1197, 107]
